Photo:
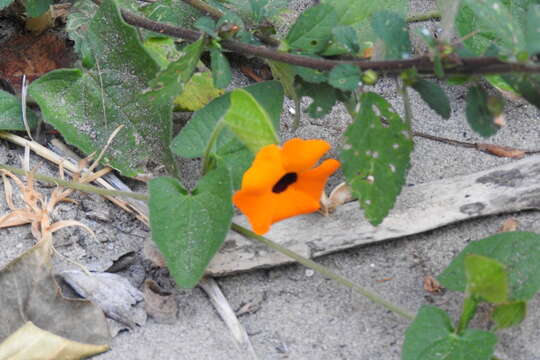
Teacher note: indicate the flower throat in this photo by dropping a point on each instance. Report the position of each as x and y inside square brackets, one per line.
[284, 182]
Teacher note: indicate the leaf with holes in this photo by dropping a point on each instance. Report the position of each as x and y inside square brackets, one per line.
[87, 106]
[345, 77]
[517, 251]
[189, 228]
[376, 156]
[479, 116]
[431, 337]
[192, 141]
[324, 97]
[392, 29]
[313, 29]
[11, 117]
[434, 96]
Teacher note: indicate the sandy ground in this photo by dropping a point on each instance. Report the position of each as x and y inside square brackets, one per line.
[301, 315]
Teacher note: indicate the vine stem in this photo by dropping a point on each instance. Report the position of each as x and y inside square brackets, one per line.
[464, 66]
[432, 15]
[324, 271]
[238, 228]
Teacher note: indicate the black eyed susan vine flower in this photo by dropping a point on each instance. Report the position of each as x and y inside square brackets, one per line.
[283, 182]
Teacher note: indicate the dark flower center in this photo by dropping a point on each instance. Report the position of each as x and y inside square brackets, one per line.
[284, 182]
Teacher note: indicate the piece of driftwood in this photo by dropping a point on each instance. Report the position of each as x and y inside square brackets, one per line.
[508, 188]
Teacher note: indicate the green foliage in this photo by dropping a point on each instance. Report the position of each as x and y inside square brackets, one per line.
[486, 278]
[207, 25]
[313, 29]
[11, 117]
[35, 8]
[532, 34]
[431, 337]
[434, 96]
[198, 92]
[5, 3]
[87, 106]
[528, 86]
[509, 314]
[221, 70]
[345, 77]
[285, 74]
[376, 156]
[478, 113]
[189, 227]
[311, 75]
[174, 12]
[392, 29]
[347, 37]
[324, 97]
[517, 251]
[194, 138]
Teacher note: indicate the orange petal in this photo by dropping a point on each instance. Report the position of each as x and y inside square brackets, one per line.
[292, 202]
[257, 207]
[265, 170]
[300, 155]
[312, 182]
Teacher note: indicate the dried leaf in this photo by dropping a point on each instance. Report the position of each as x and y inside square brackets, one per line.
[30, 293]
[432, 285]
[159, 304]
[113, 293]
[152, 253]
[44, 345]
[510, 224]
[501, 151]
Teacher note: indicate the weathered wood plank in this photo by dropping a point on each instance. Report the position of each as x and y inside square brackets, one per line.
[509, 188]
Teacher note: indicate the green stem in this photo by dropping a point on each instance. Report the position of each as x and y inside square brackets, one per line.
[432, 15]
[324, 271]
[74, 185]
[213, 138]
[469, 310]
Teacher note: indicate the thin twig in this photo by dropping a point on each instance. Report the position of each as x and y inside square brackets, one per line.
[324, 271]
[432, 15]
[24, 92]
[205, 7]
[469, 65]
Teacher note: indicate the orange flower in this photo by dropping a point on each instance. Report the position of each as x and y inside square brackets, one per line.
[282, 182]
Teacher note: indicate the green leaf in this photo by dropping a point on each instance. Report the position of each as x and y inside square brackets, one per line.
[221, 70]
[311, 75]
[392, 29]
[174, 12]
[207, 25]
[249, 121]
[324, 97]
[376, 156]
[527, 85]
[285, 74]
[11, 113]
[509, 314]
[236, 158]
[518, 251]
[198, 92]
[163, 50]
[191, 142]
[431, 337]
[313, 29]
[189, 228]
[480, 119]
[345, 77]
[87, 106]
[532, 35]
[434, 96]
[35, 8]
[486, 279]
[495, 18]
[347, 37]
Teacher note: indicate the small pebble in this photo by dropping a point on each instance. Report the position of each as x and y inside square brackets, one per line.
[310, 272]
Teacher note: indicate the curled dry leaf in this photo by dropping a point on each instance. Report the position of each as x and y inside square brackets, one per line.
[510, 224]
[339, 196]
[30, 342]
[30, 293]
[432, 285]
[501, 151]
[159, 304]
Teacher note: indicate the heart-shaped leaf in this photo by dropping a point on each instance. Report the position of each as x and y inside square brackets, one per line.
[11, 113]
[189, 227]
[313, 29]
